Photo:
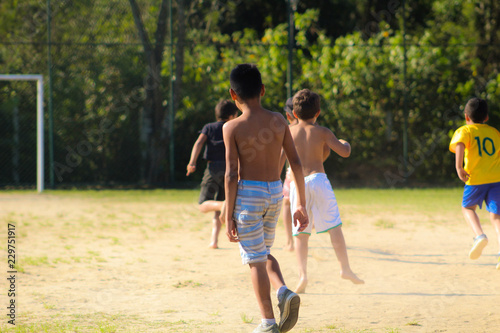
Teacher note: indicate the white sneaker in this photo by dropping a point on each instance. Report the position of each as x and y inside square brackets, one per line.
[479, 244]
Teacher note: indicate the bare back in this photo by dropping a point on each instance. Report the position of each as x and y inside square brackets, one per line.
[259, 136]
[310, 140]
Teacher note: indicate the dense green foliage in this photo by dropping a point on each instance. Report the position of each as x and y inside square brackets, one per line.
[350, 52]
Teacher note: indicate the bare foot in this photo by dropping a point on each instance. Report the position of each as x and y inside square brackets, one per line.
[351, 276]
[213, 246]
[301, 287]
[288, 247]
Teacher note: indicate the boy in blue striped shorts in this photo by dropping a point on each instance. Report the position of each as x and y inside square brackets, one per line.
[254, 193]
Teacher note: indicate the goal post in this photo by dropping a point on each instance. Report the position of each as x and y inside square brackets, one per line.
[39, 112]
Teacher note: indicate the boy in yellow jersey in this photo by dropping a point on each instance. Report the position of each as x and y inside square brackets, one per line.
[477, 160]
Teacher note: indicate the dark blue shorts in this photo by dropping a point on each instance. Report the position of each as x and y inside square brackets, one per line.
[476, 194]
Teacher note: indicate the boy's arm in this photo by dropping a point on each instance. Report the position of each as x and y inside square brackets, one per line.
[198, 145]
[230, 180]
[298, 176]
[459, 162]
[341, 147]
[282, 160]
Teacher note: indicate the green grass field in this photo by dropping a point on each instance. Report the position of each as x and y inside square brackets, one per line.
[81, 253]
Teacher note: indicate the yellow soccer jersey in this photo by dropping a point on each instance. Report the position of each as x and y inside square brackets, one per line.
[482, 152]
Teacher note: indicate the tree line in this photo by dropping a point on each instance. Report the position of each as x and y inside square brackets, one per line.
[379, 66]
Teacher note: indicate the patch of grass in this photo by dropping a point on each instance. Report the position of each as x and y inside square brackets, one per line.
[19, 268]
[86, 223]
[197, 226]
[246, 319]
[187, 283]
[163, 226]
[159, 195]
[435, 200]
[392, 330]
[35, 261]
[413, 323]
[49, 306]
[61, 260]
[384, 224]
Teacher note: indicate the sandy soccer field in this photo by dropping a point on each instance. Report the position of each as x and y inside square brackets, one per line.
[139, 262]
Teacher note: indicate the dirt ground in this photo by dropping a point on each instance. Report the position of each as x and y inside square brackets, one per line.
[126, 265]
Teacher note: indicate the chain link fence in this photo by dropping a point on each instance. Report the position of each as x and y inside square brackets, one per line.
[97, 82]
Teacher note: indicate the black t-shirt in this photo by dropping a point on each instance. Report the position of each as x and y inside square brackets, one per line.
[214, 150]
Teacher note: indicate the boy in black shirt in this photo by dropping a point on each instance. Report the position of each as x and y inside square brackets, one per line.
[212, 186]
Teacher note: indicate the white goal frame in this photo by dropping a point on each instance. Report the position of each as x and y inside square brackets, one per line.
[39, 112]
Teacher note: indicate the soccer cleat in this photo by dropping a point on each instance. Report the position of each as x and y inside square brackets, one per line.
[267, 328]
[288, 303]
[479, 244]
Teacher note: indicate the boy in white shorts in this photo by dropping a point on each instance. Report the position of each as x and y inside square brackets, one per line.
[287, 217]
[321, 206]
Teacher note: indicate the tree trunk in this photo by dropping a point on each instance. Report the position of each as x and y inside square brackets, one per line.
[154, 112]
[179, 50]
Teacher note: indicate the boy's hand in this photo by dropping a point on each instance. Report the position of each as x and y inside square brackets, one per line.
[231, 231]
[463, 175]
[300, 215]
[191, 168]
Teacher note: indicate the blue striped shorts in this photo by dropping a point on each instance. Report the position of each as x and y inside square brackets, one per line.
[256, 212]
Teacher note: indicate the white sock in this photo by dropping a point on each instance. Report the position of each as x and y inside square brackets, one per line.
[281, 290]
[269, 322]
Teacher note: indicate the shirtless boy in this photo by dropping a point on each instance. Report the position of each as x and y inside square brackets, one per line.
[254, 193]
[322, 208]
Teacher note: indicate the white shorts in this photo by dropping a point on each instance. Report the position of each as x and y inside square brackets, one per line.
[321, 204]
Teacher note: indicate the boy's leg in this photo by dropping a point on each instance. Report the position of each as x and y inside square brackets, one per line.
[301, 250]
[472, 219]
[262, 288]
[338, 243]
[480, 241]
[216, 226]
[274, 273]
[210, 206]
[216, 207]
[288, 301]
[222, 216]
[287, 223]
[495, 220]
